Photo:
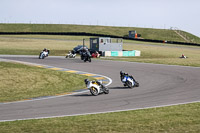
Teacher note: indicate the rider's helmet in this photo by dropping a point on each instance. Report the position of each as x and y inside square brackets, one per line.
[121, 73]
[86, 81]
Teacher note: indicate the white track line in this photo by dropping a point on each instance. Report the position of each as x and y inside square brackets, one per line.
[114, 111]
[49, 97]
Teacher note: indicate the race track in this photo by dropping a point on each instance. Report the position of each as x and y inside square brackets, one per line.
[160, 85]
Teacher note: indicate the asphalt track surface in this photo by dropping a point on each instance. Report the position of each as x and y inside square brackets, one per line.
[160, 85]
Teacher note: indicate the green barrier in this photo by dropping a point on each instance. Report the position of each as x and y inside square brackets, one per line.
[114, 53]
[129, 53]
[125, 53]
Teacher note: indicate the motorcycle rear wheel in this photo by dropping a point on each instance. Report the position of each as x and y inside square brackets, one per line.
[129, 84]
[94, 91]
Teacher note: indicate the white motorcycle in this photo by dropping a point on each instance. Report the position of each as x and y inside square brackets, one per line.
[43, 54]
[96, 87]
[128, 80]
[70, 55]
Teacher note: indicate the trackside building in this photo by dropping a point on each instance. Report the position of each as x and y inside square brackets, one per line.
[110, 47]
[106, 44]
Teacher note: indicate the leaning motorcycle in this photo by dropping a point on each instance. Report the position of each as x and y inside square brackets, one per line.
[70, 55]
[43, 54]
[129, 81]
[96, 87]
[85, 57]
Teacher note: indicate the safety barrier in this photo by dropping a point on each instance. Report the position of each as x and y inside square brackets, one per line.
[122, 53]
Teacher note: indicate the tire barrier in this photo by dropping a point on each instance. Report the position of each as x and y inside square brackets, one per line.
[99, 35]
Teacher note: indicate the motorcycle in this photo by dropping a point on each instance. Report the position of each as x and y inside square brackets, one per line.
[128, 80]
[43, 54]
[85, 57]
[71, 55]
[96, 87]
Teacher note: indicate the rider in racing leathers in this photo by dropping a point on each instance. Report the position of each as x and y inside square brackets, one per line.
[94, 81]
[122, 74]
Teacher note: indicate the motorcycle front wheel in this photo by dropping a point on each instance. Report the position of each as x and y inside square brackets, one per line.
[136, 84]
[89, 60]
[106, 90]
[40, 56]
[129, 84]
[94, 91]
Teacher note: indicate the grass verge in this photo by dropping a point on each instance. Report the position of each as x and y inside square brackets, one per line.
[147, 33]
[162, 54]
[18, 82]
[150, 52]
[173, 119]
[33, 46]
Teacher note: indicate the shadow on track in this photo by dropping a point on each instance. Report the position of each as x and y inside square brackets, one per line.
[115, 88]
[81, 95]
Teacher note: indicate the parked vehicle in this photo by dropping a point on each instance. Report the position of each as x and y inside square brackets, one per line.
[128, 80]
[78, 48]
[96, 87]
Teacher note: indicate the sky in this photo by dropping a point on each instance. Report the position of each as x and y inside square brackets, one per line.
[161, 14]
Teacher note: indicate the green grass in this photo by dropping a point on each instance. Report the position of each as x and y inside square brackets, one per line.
[173, 119]
[157, 53]
[182, 118]
[163, 54]
[18, 81]
[32, 45]
[147, 33]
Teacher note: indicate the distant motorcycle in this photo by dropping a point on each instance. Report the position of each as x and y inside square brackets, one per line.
[85, 57]
[44, 53]
[128, 80]
[96, 87]
[71, 55]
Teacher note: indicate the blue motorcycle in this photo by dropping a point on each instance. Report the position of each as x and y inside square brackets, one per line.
[128, 80]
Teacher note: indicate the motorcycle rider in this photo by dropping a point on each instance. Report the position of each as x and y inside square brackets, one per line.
[44, 53]
[45, 50]
[94, 81]
[122, 74]
[73, 52]
[85, 54]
